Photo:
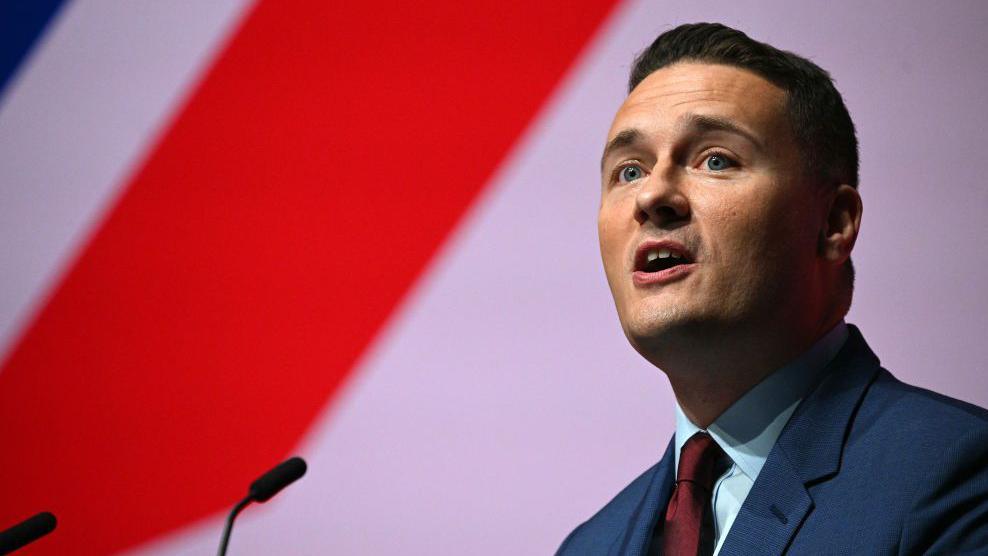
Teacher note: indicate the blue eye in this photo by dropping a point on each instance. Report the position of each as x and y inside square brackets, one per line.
[630, 174]
[718, 162]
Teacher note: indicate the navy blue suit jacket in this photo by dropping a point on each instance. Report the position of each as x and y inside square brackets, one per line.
[866, 465]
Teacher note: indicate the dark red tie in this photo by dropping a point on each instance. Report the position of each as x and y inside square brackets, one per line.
[688, 527]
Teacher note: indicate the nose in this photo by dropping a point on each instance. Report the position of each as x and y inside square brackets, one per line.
[661, 200]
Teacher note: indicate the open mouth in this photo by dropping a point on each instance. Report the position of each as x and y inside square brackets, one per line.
[657, 258]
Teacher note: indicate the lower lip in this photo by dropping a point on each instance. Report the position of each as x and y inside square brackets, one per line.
[666, 276]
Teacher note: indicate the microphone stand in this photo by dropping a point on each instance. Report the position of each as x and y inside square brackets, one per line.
[229, 523]
[261, 490]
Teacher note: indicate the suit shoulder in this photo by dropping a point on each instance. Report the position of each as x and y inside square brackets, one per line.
[598, 533]
[939, 434]
[918, 410]
[939, 453]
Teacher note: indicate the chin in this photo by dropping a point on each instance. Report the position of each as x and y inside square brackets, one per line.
[650, 328]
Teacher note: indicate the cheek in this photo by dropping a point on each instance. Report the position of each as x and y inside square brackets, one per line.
[793, 233]
[765, 245]
[731, 230]
[613, 232]
[607, 233]
[740, 238]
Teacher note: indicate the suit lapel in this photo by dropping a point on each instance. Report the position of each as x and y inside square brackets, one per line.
[634, 541]
[771, 514]
[808, 452]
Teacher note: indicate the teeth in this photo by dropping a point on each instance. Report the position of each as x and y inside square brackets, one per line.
[655, 254]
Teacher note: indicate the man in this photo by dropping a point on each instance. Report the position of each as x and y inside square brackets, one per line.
[729, 209]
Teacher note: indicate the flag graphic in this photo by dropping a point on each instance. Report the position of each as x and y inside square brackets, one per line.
[240, 230]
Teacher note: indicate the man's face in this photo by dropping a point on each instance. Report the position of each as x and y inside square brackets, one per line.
[706, 225]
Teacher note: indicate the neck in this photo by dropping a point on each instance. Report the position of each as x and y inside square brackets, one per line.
[708, 376]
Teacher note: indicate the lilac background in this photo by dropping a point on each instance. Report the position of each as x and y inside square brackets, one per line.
[502, 406]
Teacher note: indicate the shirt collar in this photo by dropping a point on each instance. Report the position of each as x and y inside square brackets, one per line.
[748, 429]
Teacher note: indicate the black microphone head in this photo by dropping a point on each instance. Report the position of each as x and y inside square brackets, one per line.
[278, 478]
[27, 531]
[45, 522]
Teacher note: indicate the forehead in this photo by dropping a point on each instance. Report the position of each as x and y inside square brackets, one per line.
[667, 94]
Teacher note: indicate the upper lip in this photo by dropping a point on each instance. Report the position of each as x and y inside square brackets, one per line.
[641, 253]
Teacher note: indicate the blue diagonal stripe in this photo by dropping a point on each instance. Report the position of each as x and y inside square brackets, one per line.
[22, 22]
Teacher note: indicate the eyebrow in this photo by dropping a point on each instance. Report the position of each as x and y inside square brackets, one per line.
[625, 138]
[704, 124]
[697, 123]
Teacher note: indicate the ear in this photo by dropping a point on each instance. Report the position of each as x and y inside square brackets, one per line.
[841, 225]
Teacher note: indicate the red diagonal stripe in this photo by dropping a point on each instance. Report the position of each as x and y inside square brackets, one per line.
[253, 257]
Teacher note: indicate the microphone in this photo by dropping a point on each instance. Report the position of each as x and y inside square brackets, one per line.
[27, 531]
[278, 478]
[261, 490]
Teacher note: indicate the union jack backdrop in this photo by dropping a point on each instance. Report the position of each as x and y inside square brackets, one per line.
[364, 233]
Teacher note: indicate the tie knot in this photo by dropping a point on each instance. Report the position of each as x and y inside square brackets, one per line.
[698, 460]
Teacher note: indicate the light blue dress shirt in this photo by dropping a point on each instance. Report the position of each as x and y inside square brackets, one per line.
[748, 429]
